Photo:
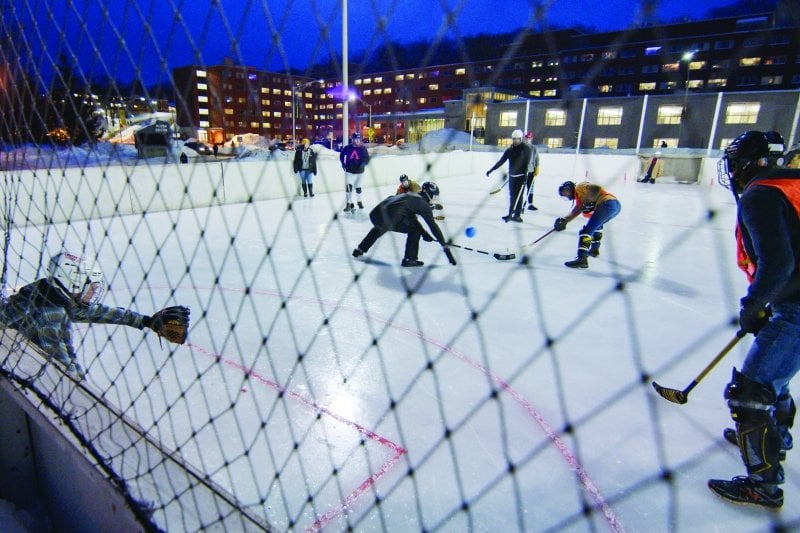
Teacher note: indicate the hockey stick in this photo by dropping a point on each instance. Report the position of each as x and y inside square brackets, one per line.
[682, 396]
[498, 256]
[500, 188]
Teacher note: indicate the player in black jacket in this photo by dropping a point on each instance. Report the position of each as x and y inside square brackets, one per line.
[399, 213]
[518, 156]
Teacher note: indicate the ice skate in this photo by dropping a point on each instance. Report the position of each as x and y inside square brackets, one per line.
[745, 490]
[411, 262]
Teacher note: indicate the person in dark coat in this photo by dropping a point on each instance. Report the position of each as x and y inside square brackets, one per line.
[305, 166]
[399, 213]
[518, 156]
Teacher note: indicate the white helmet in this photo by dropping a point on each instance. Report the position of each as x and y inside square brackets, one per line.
[75, 275]
[516, 134]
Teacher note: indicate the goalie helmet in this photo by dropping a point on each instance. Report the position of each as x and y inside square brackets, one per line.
[746, 156]
[430, 191]
[79, 278]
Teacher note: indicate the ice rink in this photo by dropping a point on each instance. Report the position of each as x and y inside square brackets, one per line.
[331, 393]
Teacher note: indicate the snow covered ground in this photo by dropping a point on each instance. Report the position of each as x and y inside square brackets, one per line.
[327, 392]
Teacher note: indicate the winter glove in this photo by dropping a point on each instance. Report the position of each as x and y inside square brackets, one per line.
[172, 323]
[449, 255]
[560, 224]
[752, 318]
[437, 207]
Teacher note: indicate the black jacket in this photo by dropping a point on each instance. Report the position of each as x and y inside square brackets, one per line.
[399, 213]
[298, 160]
[518, 157]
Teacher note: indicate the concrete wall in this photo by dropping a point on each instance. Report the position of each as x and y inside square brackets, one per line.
[97, 192]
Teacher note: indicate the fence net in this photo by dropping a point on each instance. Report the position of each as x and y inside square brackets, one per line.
[318, 391]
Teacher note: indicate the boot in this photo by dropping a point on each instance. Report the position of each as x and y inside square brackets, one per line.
[411, 262]
[311, 190]
[349, 208]
[578, 262]
[584, 242]
[360, 204]
[743, 489]
[305, 190]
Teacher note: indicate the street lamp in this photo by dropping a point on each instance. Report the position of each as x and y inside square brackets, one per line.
[298, 87]
[352, 97]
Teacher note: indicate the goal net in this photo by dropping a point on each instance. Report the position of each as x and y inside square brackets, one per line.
[318, 390]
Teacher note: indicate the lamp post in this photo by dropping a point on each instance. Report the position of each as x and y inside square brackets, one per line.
[353, 97]
[298, 87]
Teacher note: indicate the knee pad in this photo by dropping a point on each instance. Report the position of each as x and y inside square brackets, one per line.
[358, 190]
[584, 241]
[749, 400]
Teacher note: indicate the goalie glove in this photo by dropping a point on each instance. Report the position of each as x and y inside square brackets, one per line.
[171, 323]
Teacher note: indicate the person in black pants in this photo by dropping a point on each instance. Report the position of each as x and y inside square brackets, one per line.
[399, 213]
[518, 156]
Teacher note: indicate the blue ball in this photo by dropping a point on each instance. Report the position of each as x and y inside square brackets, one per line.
[470, 232]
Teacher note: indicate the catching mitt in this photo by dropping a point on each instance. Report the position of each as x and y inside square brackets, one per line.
[172, 323]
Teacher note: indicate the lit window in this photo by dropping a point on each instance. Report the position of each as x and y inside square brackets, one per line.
[718, 82]
[387, 90]
[378, 79]
[742, 113]
[277, 114]
[228, 111]
[647, 86]
[422, 100]
[652, 50]
[367, 80]
[609, 116]
[535, 93]
[775, 60]
[266, 102]
[771, 80]
[605, 89]
[550, 92]
[606, 142]
[433, 87]
[670, 142]
[202, 86]
[265, 90]
[410, 76]
[266, 124]
[202, 98]
[357, 82]
[378, 91]
[749, 61]
[508, 118]
[537, 64]
[669, 114]
[367, 92]
[670, 67]
[266, 114]
[554, 142]
[555, 117]
[200, 73]
[203, 111]
[399, 77]
[287, 103]
[461, 71]
[276, 91]
[205, 124]
[610, 54]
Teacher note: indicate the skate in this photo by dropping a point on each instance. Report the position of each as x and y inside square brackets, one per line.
[516, 218]
[357, 252]
[349, 208]
[578, 262]
[745, 490]
[532, 207]
[730, 435]
[360, 204]
[411, 262]
[506, 218]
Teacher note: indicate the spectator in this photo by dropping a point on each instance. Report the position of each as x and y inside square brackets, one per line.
[305, 166]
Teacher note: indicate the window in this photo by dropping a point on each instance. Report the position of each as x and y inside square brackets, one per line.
[779, 39]
[537, 64]
[671, 142]
[609, 116]
[552, 62]
[554, 142]
[367, 80]
[399, 77]
[749, 61]
[254, 124]
[746, 81]
[200, 73]
[228, 111]
[410, 76]
[367, 92]
[266, 102]
[387, 90]
[721, 64]
[606, 142]
[605, 89]
[695, 84]
[669, 114]
[753, 42]
[775, 60]
[203, 111]
[742, 113]
[647, 86]
[539, 93]
[718, 82]
[649, 69]
[202, 98]
[771, 80]
[587, 57]
[266, 114]
[723, 45]
[433, 87]
[202, 86]
[277, 114]
[461, 71]
[697, 65]
[422, 100]
[652, 50]
[550, 92]
[723, 143]
[357, 82]
[627, 54]
[508, 118]
[276, 91]
[204, 124]
[555, 117]
[610, 54]
[670, 67]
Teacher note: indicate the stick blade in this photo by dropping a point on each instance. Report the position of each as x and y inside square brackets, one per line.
[504, 257]
[672, 395]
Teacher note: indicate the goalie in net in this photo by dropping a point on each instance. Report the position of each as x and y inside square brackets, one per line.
[43, 311]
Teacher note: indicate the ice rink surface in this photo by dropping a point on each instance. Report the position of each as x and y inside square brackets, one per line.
[328, 392]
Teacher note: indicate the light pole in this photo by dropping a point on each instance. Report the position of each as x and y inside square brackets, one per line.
[687, 57]
[298, 87]
[353, 97]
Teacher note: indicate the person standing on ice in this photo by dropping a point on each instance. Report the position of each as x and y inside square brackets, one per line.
[399, 213]
[518, 156]
[768, 251]
[354, 158]
[533, 170]
[595, 203]
[305, 166]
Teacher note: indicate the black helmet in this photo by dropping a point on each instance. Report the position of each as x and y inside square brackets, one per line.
[747, 155]
[567, 189]
[403, 178]
[429, 190]
[355, 137]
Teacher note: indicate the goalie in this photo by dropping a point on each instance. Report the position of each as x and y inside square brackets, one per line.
[43, 311]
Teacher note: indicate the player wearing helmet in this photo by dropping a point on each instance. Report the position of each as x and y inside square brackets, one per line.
[768, 244]
[518, 156]
[399, 213]
[595, 203]
[533, 170]
[407, 185]
[354, 158]
[43, 311]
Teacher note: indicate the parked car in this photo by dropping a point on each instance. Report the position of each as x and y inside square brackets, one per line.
[195, 148]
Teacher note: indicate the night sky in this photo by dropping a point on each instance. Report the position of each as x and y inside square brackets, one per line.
[280, 34]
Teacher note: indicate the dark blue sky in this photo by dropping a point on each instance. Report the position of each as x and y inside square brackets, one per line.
[277, 34]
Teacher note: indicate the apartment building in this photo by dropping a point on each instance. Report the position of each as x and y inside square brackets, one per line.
[685, 61]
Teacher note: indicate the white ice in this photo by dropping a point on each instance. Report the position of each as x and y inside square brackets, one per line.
[494, 395]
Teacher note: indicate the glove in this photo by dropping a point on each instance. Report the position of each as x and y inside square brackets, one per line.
[437, 207]
[560, 224]
[172, 323]
[449, 255]
[752, 318]
[588, 207]
[426, 236]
